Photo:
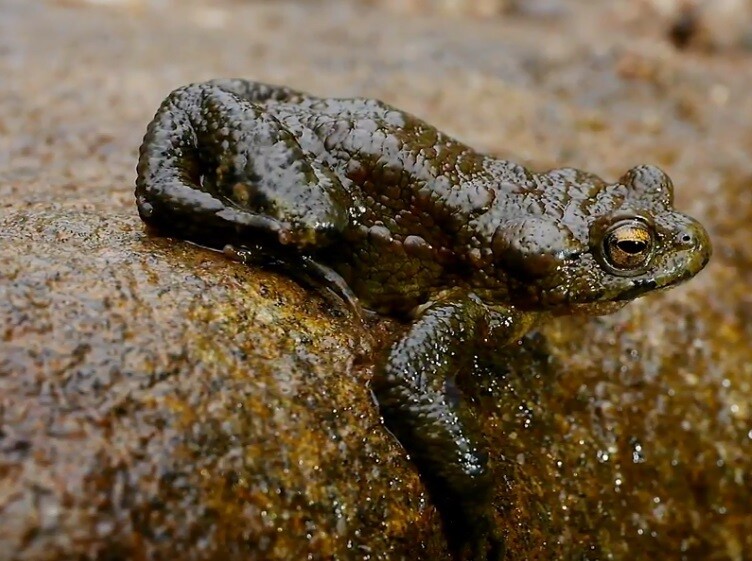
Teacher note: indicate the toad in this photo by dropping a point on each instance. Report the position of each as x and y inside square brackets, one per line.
[469, 249]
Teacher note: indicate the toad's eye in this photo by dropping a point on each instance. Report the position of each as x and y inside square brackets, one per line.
[627, 246]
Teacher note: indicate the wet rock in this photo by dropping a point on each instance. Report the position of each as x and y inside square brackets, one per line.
[158, 400]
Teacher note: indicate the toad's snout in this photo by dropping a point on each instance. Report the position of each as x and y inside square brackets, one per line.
[694, 242]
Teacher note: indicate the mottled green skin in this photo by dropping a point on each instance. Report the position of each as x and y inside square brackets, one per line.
[472, 248]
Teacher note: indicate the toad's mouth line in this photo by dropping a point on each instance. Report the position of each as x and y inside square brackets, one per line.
[643, 286]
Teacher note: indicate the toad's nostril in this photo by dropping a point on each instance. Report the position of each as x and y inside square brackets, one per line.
[687, 238]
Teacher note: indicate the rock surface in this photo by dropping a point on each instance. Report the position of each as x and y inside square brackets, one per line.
[159, 401]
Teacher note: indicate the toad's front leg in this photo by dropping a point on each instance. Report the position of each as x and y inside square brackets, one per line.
[415, 389]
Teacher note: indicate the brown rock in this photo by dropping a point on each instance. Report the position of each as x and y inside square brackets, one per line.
[159, 401]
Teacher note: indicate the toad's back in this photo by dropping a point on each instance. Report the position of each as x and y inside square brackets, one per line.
[415, 193]
[407, 175]
[379, 195]
[400, 210]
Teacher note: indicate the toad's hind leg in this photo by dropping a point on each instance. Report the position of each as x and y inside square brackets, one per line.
[303, 267]
[215, 167]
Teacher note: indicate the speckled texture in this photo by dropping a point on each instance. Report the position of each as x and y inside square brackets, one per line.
[625, 437]
[399, 209]
[213, 422]
[474, 247]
